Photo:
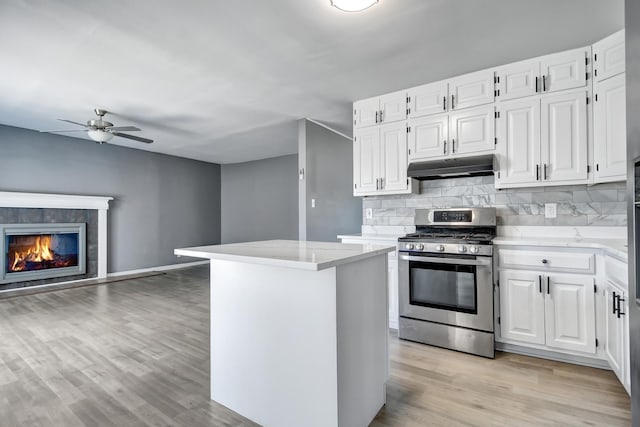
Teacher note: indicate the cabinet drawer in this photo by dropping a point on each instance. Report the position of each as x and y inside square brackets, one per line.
[616, 271]
[547, 261]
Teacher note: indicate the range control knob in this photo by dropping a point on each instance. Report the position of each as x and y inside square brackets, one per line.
[409, 245]
[419, 246]
[440, 248]
[474, 249]
[462, 249]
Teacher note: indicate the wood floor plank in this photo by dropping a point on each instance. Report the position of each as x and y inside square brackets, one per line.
[136, 353]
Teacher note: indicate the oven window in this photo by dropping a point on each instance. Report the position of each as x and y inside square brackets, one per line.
[446, 286]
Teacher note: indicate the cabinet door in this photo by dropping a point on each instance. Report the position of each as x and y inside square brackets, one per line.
[393, 107]
[570, 313]
[610, 129]
[614, 338]
[521, 306]
[393, 139]
[366, 160]
[366, 112]
[428, 99]
[518, 131]
[564, 137]
[564, 70]
[472, 131]
[428, 137]
[608, 56]
[471, 90]
[518, 80]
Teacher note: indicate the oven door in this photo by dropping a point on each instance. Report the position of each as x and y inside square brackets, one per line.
[453, 290]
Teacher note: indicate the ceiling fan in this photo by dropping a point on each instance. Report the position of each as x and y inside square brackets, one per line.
[102, 131]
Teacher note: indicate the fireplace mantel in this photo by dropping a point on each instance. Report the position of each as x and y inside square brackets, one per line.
[10, 199]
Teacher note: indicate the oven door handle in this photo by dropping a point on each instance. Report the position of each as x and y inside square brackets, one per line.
[459, 261]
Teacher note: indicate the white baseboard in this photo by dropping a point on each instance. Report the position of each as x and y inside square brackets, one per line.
[158, 268]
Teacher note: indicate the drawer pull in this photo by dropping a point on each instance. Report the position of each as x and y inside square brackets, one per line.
[544, 261]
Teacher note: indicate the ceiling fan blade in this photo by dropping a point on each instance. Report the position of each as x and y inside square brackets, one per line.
[65, 130]
[72, 122]
[125, 128]
[135, 138]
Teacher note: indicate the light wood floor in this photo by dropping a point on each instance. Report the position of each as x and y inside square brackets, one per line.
[135, 353]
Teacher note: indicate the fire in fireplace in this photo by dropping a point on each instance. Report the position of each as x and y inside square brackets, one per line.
[40, 251]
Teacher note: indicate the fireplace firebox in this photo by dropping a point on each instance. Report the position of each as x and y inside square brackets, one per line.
[41, 251]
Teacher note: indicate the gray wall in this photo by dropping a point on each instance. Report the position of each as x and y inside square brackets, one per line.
[327, 159]
[577, 205]
[633, 154]
[160, 202]
[260, 200]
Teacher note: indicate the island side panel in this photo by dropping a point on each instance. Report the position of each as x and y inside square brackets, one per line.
[274, 344]
[363, 356]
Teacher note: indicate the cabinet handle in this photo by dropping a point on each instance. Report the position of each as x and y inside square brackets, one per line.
[445, 148]
[544, 83]
[537, 79]
[381, 120]
[376, 116]
[444, 103]
[537, 172]
[620, 313]
[544, 261]
[548, 291]
[613, 301]
[452, 105]
[453, 145]
[377, 183]
[382, 183]
[545, 172]
[540, 284]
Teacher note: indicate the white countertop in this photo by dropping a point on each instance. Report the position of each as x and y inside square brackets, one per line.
[392, 238]
[615, 247]
[288, 253]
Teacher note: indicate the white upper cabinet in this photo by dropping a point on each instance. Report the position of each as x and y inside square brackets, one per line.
[366, 156]
[393, 138]
[610, 129]
[380, 160]
[428, 137]
[428, 99]
[381, 109]
[366, 112]
[518, 79]
[472, 131]
[564, 70]
[471, 90]
[564, 137]
[608, 56]
[393, 107]
[570, 313]
[518, 131]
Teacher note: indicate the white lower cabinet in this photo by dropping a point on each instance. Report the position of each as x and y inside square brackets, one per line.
[614, 345]
[555, 310]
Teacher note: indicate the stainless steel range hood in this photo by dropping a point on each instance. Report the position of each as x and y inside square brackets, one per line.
[449, 168]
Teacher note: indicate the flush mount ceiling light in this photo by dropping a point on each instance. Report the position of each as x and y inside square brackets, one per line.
[353, 5]
[100, 136]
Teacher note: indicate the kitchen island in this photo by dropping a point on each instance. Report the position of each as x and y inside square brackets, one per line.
[298, 330]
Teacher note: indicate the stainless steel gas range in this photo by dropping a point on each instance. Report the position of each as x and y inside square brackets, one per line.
[446, 280]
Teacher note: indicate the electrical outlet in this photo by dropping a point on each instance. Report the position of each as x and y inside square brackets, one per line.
[369, 213]
[313, 203]
[550, 210]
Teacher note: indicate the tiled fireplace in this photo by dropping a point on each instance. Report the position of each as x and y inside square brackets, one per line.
[42, 251]
[51, 239]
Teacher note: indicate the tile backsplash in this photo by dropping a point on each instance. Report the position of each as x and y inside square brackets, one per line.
[577, 205]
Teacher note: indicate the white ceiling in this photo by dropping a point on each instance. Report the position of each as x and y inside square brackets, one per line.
[224, 81]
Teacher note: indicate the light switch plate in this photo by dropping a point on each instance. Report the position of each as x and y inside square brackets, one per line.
[369, 213]
[313, 203]
[550, 210]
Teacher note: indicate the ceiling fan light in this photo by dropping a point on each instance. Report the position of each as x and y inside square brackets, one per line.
[353, 5]
[100, 135]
